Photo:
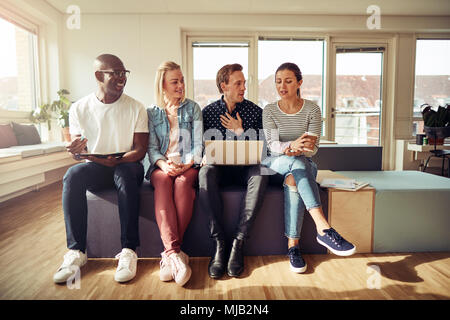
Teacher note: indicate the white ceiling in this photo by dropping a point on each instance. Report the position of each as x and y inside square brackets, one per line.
[327, 7]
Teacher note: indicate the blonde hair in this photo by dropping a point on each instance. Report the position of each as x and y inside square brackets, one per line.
[159, 81]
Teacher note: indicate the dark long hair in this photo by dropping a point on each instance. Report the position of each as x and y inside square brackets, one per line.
[294, 68]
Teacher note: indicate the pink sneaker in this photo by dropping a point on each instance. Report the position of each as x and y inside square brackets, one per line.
[181, 271]
[185, 257]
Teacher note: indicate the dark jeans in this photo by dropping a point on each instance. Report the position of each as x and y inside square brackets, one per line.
[212, 177]
[126, 178]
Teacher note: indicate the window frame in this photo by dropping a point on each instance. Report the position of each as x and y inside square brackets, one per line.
[325, 84]
[332, 40]
[19, 21]
[188, 60]
[252, 37]
[332, 98]
[421, 36]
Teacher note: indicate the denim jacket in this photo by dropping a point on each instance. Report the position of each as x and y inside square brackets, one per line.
[190, 123]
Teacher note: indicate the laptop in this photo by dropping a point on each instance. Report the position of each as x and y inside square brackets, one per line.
[233, 153]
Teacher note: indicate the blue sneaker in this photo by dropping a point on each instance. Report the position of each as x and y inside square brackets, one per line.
[298, 265]
[335, 243]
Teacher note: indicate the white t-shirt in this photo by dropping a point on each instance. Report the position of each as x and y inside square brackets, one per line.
[109, 128]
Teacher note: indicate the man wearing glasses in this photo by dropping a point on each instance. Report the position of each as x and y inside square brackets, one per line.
[104, 123]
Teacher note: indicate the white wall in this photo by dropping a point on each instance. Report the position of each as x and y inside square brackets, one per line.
[142, 42]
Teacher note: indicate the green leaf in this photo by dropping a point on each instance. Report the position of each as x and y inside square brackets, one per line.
[65, 101]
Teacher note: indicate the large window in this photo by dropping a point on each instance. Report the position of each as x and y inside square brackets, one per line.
[208, 58]
[18, 84]
[309, 55]
[358, 106]
[432, 78]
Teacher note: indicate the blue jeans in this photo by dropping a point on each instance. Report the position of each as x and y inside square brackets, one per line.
[125, 177]
[296, 199]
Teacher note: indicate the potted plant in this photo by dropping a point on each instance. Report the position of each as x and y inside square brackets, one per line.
[42, 114]
[60, 108]
[436, 123]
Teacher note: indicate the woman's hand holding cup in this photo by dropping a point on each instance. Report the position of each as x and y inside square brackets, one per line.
[305, 142]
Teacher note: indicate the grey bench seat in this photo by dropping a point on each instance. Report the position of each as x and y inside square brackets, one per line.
[266, 236]
[412, 210]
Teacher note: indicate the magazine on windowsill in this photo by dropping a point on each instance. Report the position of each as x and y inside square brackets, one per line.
[343, 184]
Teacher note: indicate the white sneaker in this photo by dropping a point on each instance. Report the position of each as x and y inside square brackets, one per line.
[73, 261]
[126, 269]
[165, 272]
[185, 257]
[181, 271]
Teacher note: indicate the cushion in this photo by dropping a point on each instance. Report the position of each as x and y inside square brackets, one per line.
[24, 151]
[26, 134]
[7, 136]
[51, 147]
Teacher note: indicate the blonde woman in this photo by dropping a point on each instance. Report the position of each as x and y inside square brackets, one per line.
[175, 151]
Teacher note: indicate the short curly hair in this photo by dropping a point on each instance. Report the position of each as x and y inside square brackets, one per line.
[223, 75]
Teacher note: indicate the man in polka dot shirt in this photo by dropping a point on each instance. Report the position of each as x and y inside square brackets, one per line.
[231, 118]
[235, 117]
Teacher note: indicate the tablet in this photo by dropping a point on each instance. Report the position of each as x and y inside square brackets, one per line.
[116, 155]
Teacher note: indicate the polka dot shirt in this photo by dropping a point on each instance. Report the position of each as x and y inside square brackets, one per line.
[249, 112]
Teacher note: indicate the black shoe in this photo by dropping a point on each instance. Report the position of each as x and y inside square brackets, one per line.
[236, 261]
[336, 243]
[298, 265]
[216, 267]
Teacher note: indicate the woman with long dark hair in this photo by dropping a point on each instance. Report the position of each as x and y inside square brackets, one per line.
[293, 127]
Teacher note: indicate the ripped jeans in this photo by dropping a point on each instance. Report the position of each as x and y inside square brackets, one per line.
[296, 198]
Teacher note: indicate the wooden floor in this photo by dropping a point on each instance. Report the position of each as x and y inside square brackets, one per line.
[32, 244]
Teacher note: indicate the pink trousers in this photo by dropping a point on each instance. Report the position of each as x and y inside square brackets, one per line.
[174, 203]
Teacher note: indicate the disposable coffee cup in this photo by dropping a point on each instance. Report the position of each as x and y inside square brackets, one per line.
[309, 146]
[175, 157]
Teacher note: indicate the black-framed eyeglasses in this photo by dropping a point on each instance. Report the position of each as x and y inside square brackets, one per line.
[116, 73]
